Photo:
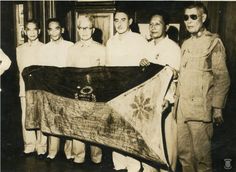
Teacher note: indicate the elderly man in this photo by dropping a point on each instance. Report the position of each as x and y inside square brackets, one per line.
[125, 48]
[27, 55]
[202, 91]
[86, 53]
[55, 54]
[164, 51]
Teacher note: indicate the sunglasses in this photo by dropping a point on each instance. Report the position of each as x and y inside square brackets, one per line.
[192, 16]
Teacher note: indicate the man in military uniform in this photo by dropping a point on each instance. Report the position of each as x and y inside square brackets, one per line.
[202, 91]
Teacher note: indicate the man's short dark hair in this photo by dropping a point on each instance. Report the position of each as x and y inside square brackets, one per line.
[33, 21]
[54, 20]
[164, 16]
[124, 9]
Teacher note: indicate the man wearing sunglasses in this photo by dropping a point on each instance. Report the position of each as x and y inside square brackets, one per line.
[202, 89]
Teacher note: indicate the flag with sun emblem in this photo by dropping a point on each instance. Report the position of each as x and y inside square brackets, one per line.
[119, 107]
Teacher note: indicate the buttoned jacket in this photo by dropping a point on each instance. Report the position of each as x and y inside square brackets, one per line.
[204, 80]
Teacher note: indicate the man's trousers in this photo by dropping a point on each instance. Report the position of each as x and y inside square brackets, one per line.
[33, 140]
[79, 152]
[194, 143]
[54, 145]
[125, 162]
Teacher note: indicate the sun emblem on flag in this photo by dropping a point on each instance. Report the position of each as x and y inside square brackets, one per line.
[141, 107]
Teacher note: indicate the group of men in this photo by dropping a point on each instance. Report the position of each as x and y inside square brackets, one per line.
[197, 93]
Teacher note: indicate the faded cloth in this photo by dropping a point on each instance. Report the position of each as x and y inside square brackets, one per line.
[207, 65]
[125, 101]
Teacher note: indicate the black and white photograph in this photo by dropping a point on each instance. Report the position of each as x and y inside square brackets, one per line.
[118, 86]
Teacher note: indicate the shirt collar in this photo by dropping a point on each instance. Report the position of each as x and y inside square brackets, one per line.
[57, 42]
[85, 43]
[35, 42]
[200, 33]
[127, 34]
[161, 41]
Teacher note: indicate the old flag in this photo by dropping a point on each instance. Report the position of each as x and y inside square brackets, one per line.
[119, 107]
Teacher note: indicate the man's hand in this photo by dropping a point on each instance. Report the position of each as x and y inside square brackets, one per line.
[217, 116]
[144, 62]
[175, 73]
[165, 105]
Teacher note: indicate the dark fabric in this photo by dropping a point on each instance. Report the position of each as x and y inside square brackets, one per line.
[106, 82]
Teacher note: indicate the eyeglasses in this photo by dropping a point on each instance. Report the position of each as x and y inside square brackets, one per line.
[84, 28]
[192, 16]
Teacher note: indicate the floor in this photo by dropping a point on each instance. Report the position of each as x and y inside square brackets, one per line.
[223, 144]
[16, 163]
